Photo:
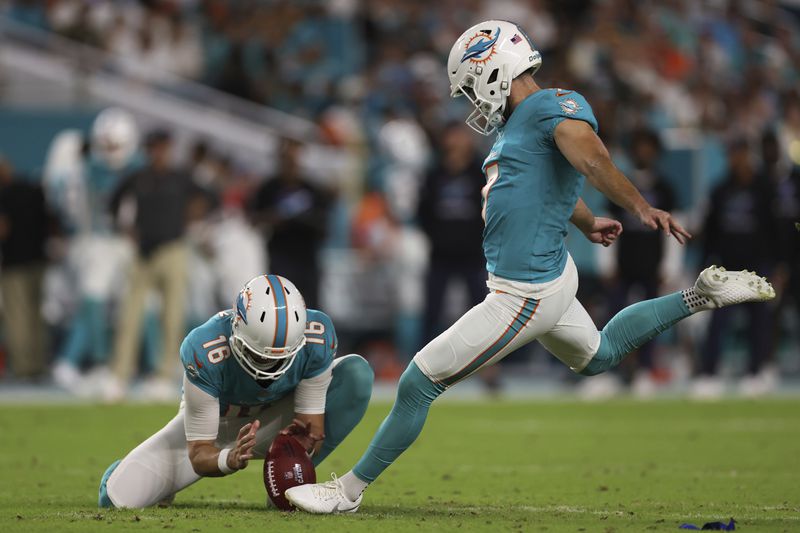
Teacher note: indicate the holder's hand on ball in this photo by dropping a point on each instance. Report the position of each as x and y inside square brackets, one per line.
[302, 432]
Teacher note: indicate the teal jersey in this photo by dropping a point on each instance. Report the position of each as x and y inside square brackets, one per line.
[209, 363]
[531, 189]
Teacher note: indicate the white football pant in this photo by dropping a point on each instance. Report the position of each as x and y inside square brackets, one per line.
[504, 322]
[159, 467]
[100, 263]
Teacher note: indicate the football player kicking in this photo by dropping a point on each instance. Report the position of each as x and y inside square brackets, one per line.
[282, 373]
[546, 144]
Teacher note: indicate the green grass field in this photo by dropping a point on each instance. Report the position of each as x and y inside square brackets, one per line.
[503, 466]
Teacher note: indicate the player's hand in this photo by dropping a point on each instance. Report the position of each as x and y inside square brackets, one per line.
[657, 219]
[241, 454]
[302, 432]
[604, 231]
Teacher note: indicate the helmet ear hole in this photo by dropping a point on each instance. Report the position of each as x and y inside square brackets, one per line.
[493, 76]
[296, 316]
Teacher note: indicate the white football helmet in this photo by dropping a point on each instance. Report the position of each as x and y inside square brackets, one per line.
[115, 137]
[481, 65]
[268, 327]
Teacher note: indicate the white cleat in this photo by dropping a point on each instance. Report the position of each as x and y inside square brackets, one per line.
[707, 388]
[158, 390]
[68, 377]
[644, 386]
[723, 287]
[113, 391]
[762, 384]
[322, 498]
[602, 387]
[96, 381]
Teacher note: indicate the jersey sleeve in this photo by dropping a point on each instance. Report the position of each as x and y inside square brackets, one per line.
[201, 414]
[321, 343]
[311, 393]
[560, 105]
[197, 368]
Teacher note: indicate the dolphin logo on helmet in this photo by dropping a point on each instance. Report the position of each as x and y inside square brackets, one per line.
[243, 303]
[475, 52]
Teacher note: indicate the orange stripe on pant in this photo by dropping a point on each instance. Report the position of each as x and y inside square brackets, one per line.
[493, 349]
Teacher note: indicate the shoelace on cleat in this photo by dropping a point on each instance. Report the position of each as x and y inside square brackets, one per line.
[328, 490]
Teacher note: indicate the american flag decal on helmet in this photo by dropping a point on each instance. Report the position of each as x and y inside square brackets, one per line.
[516, 39]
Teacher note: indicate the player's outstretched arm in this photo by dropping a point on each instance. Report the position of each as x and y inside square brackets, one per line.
[209, 461]
[201, 424]
[586, 152]
[599, 230]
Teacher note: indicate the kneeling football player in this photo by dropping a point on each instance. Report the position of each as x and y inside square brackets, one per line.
[282, 375]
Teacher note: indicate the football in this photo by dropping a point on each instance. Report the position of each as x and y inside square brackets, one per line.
[287, 465]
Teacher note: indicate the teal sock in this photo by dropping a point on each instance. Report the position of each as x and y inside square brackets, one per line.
[151, 340]
[415, 394]
[634, 326]
[77, 341]
[98, 330]
[103, 500]
[346, 402]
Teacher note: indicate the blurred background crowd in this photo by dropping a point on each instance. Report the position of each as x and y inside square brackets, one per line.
[156, 154]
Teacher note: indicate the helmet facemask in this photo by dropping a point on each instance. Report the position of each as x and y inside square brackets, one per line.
[489, 99]
[267, 364]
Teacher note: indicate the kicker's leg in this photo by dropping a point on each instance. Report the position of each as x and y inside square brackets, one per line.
[575, 340]
[485, 334]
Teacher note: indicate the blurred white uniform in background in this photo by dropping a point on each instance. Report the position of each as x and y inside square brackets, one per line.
[80, 176]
